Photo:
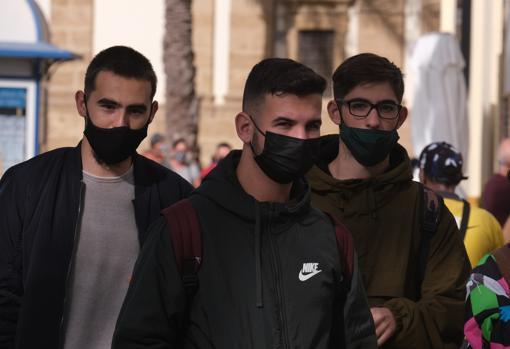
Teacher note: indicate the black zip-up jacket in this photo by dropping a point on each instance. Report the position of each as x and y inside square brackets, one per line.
[249, 294]
[39, 204]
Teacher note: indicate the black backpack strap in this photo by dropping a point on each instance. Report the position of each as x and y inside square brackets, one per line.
[185, 232]
[466, 209]
[345, 247]
[430, 214]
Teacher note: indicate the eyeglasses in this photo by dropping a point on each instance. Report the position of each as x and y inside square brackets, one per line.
[361, 108]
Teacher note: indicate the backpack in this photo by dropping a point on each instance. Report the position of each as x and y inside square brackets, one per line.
[184, 229]
[430, 213]
[185, 232]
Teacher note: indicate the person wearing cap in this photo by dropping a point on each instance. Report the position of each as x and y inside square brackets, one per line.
[441, 171]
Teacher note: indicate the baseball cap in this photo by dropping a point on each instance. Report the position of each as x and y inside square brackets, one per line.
[442, 163]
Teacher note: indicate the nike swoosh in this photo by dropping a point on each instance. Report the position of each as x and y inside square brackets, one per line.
[304, 277]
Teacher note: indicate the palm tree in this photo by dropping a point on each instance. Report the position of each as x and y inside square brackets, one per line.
[181, 100]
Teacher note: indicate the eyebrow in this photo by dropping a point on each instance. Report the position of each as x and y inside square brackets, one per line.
[317, 120]
[293, 122]
[283, 118]
[115, 103]
[107, 101]
[366, 100]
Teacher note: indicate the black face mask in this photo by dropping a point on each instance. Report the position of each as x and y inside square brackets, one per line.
[113, 145]
[285, 159]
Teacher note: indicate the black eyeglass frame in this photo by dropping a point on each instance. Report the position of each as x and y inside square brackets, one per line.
[372, 106]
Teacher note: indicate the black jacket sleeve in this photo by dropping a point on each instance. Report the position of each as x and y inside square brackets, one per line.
[11, 225]
[153, 312]
[359, 325]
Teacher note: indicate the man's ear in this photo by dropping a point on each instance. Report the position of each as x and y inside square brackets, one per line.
[154, 109]
[243, 127]
[334, 112]
[79, 99]
[402, 116]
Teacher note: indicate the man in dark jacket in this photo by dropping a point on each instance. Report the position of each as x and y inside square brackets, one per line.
[72, 219]
[415, 281]
[271, 275]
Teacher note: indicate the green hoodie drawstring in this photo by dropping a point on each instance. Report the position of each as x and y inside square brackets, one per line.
[372, 202]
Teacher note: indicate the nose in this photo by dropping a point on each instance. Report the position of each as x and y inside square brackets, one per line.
[300, 132]
[372, 120]
[121, 118]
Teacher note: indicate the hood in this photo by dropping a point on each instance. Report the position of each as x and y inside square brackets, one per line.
[223, 188]
[362, 195]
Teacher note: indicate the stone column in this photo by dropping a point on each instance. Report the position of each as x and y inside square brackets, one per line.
[70, 28]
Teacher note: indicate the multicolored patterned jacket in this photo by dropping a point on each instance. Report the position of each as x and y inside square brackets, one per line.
[488, 306]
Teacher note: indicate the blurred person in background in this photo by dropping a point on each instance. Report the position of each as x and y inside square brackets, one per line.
[496, 193]
[73, 219]
[441, 171]
[222, 150]
[182, 163]
[158, 150]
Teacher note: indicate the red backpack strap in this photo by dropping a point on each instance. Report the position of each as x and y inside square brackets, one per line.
[184, 229]
[345, 247]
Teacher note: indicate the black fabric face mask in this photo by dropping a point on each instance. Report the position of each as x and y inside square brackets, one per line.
[285, 159]
[113, 145]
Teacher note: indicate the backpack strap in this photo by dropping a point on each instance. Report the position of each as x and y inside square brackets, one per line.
[466, 209]
[186, 235]
[502, 257]
[345, 245]
[430, 214]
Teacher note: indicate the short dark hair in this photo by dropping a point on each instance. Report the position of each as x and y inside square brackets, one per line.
[367, 68]
[279, 76]
[179, 141]
[223, 145]
[123, 61]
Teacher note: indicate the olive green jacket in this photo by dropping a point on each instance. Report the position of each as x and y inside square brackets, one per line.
[383, 214]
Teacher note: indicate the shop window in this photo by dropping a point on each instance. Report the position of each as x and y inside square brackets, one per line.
[316, 51]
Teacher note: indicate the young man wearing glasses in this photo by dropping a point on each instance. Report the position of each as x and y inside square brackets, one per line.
[364, 178]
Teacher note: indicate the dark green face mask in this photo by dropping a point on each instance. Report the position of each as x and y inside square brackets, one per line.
[369, 147]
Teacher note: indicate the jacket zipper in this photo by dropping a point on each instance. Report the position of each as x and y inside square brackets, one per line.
[71, 263]
[279, 293]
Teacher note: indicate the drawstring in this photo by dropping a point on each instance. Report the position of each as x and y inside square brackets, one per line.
[258, 260]
[372, 203]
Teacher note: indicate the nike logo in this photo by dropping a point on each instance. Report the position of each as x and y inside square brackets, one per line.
[309, 270]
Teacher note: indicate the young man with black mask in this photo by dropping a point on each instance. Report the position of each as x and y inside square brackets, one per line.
[73, 219]
[411, 257]
[271, 274]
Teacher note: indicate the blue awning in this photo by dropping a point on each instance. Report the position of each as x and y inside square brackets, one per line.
[38, 50]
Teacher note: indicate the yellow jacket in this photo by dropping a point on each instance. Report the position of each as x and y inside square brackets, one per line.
[483, 234]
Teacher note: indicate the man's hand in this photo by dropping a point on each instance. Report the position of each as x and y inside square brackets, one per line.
[385, 324]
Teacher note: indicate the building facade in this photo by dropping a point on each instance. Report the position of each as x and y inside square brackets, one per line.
[229, 37]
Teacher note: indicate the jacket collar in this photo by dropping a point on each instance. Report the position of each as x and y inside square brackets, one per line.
[144, 203]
